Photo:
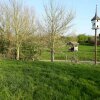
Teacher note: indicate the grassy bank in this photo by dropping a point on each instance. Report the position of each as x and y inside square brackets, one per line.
[48, 81]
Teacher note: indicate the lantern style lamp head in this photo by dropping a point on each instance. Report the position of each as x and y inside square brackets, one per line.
[95, 21]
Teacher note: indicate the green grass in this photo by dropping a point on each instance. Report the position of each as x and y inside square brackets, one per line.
[85, 53]
[48, 81]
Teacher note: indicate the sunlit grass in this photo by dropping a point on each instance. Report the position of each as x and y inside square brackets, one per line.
[85, 53]
[48, 81]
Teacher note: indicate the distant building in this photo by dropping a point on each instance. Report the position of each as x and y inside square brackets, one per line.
[73, 46]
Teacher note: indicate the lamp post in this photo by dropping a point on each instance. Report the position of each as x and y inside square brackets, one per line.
[95, 26]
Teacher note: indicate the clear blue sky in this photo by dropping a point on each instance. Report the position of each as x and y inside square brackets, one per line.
[85, 10]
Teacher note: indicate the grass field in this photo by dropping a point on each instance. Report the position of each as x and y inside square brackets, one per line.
[85, 53]
[48, 81]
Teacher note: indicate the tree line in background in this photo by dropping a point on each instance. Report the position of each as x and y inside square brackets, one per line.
[84, 39]
[23, 36]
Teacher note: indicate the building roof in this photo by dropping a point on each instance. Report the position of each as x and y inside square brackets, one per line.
[73, 43]
[96, 16]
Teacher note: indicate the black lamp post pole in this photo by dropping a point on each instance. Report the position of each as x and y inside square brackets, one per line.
[95, 46]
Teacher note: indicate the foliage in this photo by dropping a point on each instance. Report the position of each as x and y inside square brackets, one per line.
[17, 20]
[31, 49]
[3, 44]
[18, 23]
[48, 81]
[82, 38]
[71, 39]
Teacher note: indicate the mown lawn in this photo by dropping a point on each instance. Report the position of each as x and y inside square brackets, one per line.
[20, 80]
[85, 53]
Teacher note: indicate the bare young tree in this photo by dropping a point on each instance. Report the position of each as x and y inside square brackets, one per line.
[19, 21]
[56, 22]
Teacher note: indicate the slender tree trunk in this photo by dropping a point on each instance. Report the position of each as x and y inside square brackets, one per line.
[17, 47]
[17, 53]
[52, 53]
